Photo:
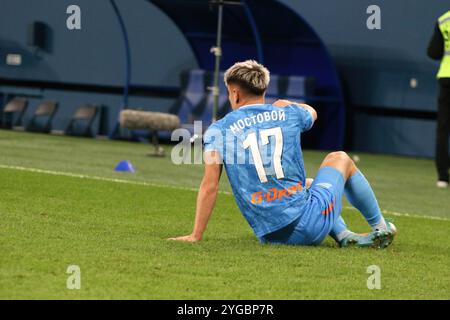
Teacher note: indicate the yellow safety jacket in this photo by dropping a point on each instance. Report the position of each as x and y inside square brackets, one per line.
[444, 26]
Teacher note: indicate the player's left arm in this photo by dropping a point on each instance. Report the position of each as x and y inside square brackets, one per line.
[284, 103]
[206, 198]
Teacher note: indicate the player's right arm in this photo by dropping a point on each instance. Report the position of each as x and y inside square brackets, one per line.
[206, 197]
[285, 103]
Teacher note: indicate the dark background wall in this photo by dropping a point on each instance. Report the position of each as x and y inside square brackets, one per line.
[95, 53]
[376, 66]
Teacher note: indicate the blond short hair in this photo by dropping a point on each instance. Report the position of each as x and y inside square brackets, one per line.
[250, 75]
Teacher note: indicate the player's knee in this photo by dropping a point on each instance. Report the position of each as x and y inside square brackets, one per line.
[339, 156]
[342, 159]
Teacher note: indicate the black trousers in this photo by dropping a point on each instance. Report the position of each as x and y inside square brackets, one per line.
[443, 130]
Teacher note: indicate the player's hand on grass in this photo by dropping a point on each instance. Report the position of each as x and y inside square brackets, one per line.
[189, 238]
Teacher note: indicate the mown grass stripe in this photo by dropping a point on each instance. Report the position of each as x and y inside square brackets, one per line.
[149, 184]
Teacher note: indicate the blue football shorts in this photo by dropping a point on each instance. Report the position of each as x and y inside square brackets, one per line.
[323, 208]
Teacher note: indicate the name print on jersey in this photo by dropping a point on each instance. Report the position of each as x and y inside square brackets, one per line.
[241, 124]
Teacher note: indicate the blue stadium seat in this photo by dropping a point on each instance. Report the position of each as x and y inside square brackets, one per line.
[196, 101]
[13, 112]
[298, 88]
[193, 94]
[82, 121]
[42, 118]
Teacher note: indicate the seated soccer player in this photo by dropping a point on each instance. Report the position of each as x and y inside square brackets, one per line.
[260, 146]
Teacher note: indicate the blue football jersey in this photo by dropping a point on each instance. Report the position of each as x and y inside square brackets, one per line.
[260, 148]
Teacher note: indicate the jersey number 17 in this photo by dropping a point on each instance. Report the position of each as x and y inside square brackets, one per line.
[252, 142]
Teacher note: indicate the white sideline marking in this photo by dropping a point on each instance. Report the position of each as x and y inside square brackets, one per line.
[83, 176]
[400, 214]
[149, 184]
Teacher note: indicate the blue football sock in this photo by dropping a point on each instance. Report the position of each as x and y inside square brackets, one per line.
[360, 194]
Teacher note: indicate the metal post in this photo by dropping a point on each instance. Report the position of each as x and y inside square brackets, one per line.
[217, 50]
[126, 86]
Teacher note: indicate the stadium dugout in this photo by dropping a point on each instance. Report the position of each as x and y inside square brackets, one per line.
[275, 35]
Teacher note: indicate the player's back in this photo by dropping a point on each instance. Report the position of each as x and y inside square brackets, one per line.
[261, 149]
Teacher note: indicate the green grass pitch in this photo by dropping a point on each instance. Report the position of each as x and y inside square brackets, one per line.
[62, 204]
